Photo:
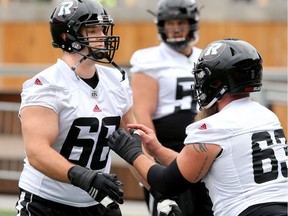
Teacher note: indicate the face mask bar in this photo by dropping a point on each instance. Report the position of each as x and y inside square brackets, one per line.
[201, 75]
[101, 54]
[104, 54]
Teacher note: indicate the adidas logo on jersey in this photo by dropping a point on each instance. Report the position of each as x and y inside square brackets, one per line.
[38, 82]
[203, 127]
[97, 109]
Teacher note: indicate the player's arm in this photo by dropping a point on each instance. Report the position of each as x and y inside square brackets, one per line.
[192, 163]
[145, 90]
[130, 118]
[150, 142]
[40, 129]
[145, 98]
[165, 206]
[198, 156]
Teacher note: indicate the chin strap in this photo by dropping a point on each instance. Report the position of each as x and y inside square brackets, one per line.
[122, 71]
[73, 68]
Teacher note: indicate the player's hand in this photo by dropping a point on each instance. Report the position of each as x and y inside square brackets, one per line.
[168, 207]
[165, 206]
[149, 139]
[126, 146]
[102, 187]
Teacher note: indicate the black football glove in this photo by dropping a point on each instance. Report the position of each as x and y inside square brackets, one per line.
[102, 187]
[165, 206]
[126, 146]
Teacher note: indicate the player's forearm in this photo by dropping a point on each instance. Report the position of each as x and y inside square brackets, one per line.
[168, 181]
[139, 177]
[144, 118]
[50, 163]
[165, 155]
[142, 164]
[147, 121]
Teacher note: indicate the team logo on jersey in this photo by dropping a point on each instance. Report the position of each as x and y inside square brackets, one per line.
[203, 127]
[97, 109]
[94, 94]
[213, 51]
[38, 82]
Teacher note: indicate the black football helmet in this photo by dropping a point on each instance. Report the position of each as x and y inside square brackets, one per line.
[70, 15]
[226, 66]
[178, 9]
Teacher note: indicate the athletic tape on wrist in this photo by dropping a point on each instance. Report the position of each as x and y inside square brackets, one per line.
[106, 201]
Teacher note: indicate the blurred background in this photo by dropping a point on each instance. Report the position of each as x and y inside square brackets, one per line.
[25, 49]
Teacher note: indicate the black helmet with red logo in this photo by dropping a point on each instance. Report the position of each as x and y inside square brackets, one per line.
[226, 66]
[70, 16]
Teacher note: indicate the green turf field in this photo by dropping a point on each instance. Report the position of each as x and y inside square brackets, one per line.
[7, 213]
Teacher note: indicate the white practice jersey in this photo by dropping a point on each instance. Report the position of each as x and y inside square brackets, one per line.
[173, 71]
[252, 167]
[86, 118]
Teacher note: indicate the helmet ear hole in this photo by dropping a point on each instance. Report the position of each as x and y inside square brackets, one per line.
[64, 36]
[70, 37]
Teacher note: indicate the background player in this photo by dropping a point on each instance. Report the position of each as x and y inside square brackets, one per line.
[161, 82]
[241, 156]
[67, 113]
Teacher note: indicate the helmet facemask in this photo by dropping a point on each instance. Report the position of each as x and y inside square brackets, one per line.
[103, 53]
[207, 90]
[179, 43]
[178, 10]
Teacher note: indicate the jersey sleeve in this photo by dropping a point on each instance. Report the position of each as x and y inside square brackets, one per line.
[138, 62]
[209, 131]
[147, 61]
[39, 92]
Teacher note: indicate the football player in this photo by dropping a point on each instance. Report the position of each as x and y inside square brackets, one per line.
[236, 146]
[161, 80]
[67, 113]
